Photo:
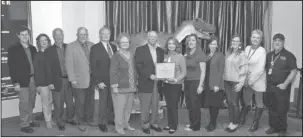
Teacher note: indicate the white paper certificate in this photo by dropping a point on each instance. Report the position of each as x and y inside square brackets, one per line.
[165, 70]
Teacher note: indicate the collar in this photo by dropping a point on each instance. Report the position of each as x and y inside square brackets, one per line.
[152, 47]
[104, 43]
[24, 46]
[281, 51]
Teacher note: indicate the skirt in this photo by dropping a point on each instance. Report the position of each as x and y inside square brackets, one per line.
[212, 99]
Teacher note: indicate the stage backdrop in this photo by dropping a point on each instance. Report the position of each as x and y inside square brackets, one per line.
[14, 14]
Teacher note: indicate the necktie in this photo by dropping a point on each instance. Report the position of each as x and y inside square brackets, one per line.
[109, 51]
[86, 50]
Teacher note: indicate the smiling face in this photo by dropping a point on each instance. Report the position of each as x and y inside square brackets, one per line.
[278, 44]
[105, 35]
[24, 36]
[58, 36]
[171, 46]
[82, 35]
[124, 43]
[191, 42]
[235, 43]
[43, 42]
[256, 39]
[152, 38]
[213, 46]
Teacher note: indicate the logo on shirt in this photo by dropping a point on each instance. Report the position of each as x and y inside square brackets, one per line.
[283, 58]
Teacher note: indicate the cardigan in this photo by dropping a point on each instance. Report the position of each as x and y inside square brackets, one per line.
[236, 68]
[216, 70]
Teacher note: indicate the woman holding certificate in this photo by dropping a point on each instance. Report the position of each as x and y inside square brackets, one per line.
[213, 83]
[193, 84]
[123, 81]
[173, 86]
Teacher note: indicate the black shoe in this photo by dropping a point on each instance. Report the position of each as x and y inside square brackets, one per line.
[27, 129]
[112, 123]
[166, 128]
[61, 127]
[72, 122]
[103, 128]
[146, 130]
[254, 126]
[158, 129]
[271, 131]
[171, 131]
[282, 133]
[34, 124]
[210, 127]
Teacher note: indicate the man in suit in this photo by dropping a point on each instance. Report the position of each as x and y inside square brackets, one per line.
[145, 59]
[20, 65]
[100, 63]
[58, 80]
[79, 74]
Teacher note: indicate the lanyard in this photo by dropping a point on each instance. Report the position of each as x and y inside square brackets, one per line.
[273, 60]
[252, 53]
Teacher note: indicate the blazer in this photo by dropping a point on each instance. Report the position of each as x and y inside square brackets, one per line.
[77, 64]
[100, 63]
[216, 71]
[18, 64]
[145, 67]
[53, 67]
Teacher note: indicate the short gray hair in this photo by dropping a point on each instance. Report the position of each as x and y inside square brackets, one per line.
[257, 31]
[104, 28]
[57, 29]
[80, 28]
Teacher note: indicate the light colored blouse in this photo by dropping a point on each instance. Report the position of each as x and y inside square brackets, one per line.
[180, 68]
[256, 68]
[236, 68]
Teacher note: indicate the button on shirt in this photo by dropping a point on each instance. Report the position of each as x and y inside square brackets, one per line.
[61, 56]
[153, 53]
[29, 57]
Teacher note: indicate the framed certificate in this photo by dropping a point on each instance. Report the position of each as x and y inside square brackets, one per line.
[165, 70]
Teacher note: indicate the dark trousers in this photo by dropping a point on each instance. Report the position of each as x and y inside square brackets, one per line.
[84, 103]
[27, 99]
[64, 95]
[193, 103]
[172, 96]
[233, 99]
[106, 110]
[278, 105]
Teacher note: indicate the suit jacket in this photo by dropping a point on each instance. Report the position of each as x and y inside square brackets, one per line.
[53, 68]
[18, 64]
[216, 71]
[100, 63]
[145, 67]
[77, 64]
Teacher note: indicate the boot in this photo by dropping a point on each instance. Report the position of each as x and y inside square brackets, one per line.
[255, 124]
[243, 113]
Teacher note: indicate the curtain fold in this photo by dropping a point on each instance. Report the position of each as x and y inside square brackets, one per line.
[229, 17]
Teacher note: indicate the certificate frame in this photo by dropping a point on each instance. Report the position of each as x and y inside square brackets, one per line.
[165, 70]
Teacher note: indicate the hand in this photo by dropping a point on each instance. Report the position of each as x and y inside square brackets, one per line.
[51, 87]
[173, 80]
[216, 88]
[38, 90]
[74, 84]
[153, 77]
[200, 89]
[282, 86]
[238, 87]
[17, 87]
[115, 90]
[101, 85]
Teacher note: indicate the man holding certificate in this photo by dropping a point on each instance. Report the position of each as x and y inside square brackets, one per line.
[146, 58]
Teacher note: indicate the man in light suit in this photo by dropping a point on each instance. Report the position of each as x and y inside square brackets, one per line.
[100, 63]
[79, 74]
[145, 59]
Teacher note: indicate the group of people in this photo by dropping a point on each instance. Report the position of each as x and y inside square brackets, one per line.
[62, 72]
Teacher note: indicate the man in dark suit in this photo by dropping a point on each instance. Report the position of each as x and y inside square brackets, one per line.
[79, 74]
[58, 80]
[145, 59]
[100, 63]
[20, 65]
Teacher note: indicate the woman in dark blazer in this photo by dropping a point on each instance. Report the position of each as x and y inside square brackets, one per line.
[213, 83]
[123, 81]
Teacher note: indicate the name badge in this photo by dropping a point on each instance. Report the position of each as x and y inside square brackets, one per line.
[270, 71]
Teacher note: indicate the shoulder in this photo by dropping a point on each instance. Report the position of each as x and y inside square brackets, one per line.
[95, 46]
[50, 49]
[289, 54]
[89, 43]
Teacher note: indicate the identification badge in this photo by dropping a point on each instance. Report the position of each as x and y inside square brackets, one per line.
[270, 71]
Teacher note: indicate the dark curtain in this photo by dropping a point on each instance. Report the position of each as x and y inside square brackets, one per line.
[229, 17]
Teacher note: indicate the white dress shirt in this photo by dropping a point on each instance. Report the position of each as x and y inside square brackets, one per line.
[105, 46]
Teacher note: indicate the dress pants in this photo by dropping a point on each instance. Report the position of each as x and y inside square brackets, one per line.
[27, 100]
[193, 103]
[84, 103]
[278, 105]
[172, 94]
[46, 99]
[123, 104]
[106, 110]
[149, 101]
[61, 96]
[232, 101]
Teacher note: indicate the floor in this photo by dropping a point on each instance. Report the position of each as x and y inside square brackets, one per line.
[10, 127]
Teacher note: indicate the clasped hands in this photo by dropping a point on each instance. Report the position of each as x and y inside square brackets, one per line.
[173, 80]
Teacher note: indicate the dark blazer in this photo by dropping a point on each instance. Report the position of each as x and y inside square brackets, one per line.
[216, 70]
[53, 67]
[100, 63]
[145, 67]
[18, 64]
